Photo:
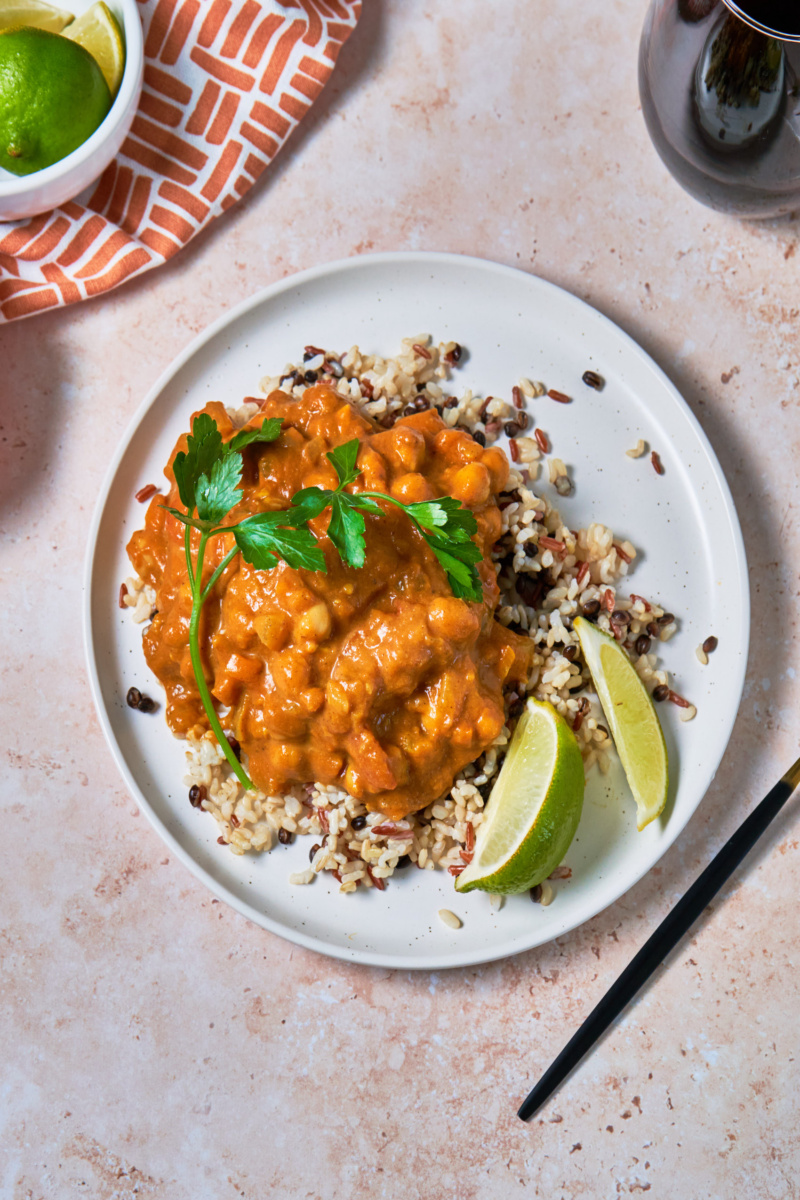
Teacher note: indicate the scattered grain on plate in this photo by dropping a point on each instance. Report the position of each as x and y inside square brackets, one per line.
[497, 902]
[689, 713]
[658, 466]
[593, 380]
[449, 918]
[547, 894]
[701, 655]
[638, 450]
[146, 492]
[559, 397]
[710, 644]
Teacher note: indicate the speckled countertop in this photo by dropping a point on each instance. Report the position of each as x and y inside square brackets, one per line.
[154, 1043]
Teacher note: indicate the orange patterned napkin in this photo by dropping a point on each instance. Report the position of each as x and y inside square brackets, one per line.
[225, 83]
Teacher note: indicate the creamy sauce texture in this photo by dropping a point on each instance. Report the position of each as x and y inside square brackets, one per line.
[377, 680]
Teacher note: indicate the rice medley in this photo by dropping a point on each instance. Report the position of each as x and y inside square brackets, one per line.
[547, 575]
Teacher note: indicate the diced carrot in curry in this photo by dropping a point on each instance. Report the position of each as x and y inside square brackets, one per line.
[378, 680]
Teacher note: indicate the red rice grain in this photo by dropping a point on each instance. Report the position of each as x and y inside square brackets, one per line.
[625, 557]
[608, 599]
[583, 571]
[454, 869]
[679, 700]
[516, 396]
[376, 879]
[647, 606]
[541, 440]
[514, 450]
[657, 463]
[469, 841]
[123, 591]
[421, 351]
[146, 492]
[559, 396]
[549, 543]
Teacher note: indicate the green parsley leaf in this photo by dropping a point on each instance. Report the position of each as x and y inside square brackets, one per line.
[346, 530]
[269, 431]
[218, 493]
[344, 462]
[447, 516]
[203, 447]
[459, 559]
[310, 502]
[266, 537]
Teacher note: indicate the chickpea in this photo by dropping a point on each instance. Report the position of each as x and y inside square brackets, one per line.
[411, 488]
[496, 464]
[452, 618]
[472, 484]
[407, 447]
[457, 446]
[273, 629]
[314, 623]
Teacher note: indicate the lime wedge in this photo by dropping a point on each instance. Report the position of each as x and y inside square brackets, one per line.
[35, 13]
[98, 31]
[534, 808]
[632, 718]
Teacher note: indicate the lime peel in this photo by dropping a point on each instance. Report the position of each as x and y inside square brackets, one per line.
[534, 809]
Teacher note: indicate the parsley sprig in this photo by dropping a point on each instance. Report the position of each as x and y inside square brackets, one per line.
[445, 524]
[208, 475]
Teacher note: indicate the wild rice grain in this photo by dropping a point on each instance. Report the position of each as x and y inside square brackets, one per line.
[284, 836]
[197, 794]
[593, 380]
[710, 644]
[449, 918]
[133, 697]
[661, 692]
[642, 644]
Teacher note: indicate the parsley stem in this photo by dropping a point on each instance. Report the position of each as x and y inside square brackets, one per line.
[187, 542]
[398, 504]
[228, 557]
[199, 673]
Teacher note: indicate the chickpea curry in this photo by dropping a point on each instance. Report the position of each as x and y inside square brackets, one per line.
[378, 680]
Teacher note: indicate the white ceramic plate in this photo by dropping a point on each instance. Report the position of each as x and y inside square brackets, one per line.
[684, 522]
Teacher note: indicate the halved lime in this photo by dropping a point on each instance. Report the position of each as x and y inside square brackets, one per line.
[52, 98]
[632, 718]
[35, 13]
[534, 808]
[98, 31]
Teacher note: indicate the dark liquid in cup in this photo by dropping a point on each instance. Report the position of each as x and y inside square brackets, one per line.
[722, 102]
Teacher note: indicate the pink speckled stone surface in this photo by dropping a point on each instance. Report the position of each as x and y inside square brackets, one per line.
[155, 1044]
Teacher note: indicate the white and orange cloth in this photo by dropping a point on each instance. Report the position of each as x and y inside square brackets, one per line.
[225, 83]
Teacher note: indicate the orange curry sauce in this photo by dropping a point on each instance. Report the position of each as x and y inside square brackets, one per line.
[378, 680]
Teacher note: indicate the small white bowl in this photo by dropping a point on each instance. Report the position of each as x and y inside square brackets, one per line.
[27, 195]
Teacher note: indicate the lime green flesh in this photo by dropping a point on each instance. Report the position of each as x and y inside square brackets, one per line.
[632, 719]
[534, 809]
[52, 98]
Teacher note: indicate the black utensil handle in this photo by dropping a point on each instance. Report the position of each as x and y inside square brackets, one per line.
[662, 941]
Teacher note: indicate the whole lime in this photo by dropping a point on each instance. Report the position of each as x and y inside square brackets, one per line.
[52, 98]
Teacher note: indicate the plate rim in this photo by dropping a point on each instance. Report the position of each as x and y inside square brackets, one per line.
[427, 259]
